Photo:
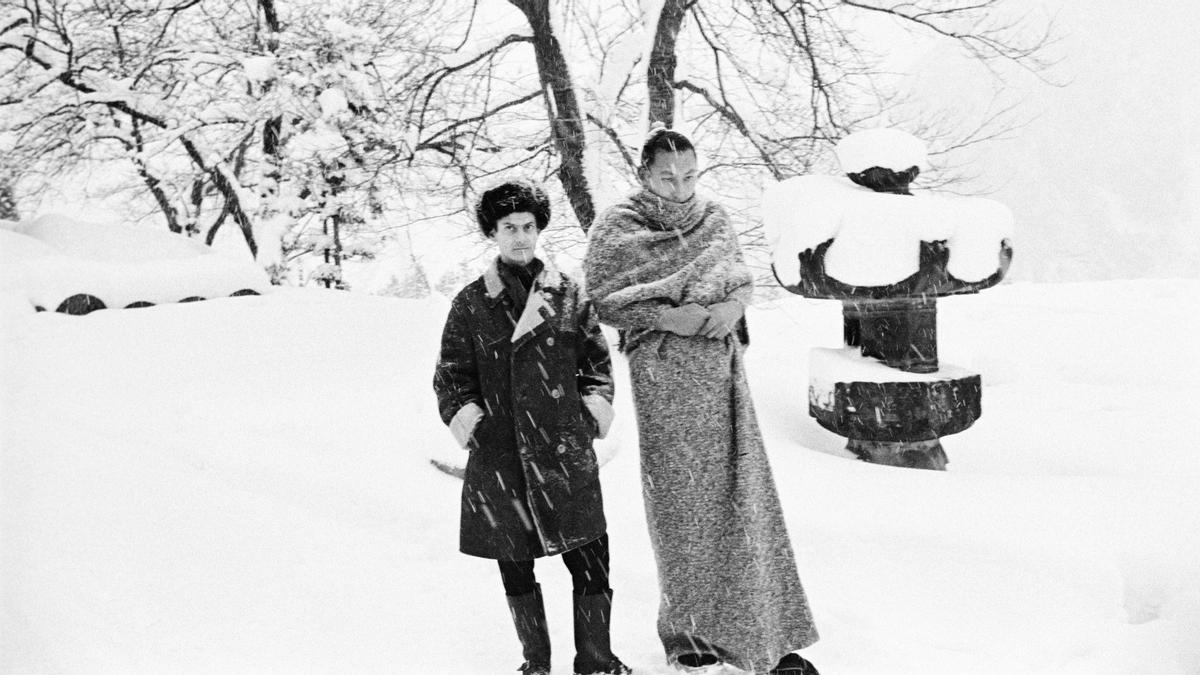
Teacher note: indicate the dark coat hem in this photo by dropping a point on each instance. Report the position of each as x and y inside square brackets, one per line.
[570, 546]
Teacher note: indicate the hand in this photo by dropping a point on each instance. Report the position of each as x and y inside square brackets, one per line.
[685, 321]
[465, 423]
[722, 317]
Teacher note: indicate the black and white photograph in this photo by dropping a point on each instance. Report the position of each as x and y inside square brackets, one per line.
[599, 337]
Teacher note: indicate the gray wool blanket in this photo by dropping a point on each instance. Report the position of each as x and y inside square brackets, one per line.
[725, 564]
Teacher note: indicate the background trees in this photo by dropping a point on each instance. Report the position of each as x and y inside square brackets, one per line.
[8, 196]
[129, 89]
[319, 130]
[766, 88]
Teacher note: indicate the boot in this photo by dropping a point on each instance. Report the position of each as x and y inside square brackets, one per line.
[593, 653]
[697, 662]
[529, 616]
[794, 664]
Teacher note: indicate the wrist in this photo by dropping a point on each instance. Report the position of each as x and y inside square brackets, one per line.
[663, 319]
[732, 307]
[658, 320]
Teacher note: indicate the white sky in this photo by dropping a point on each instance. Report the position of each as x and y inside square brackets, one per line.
[1103, 179]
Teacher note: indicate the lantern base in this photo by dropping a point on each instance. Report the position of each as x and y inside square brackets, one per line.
[896, 412]
[907, 454]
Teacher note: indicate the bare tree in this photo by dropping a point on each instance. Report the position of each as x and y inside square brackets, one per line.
[90, 82]
[265, 36]
[767, 87]
[562, 108]
[660, 71]
[217, 108]
[229, 112]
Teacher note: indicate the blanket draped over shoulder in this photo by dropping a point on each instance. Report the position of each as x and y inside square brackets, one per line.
[646, 254]
[726, 568]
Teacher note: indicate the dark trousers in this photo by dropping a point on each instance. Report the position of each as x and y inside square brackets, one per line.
[588, 565]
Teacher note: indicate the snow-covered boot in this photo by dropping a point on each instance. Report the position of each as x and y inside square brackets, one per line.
[794, 664]
[529, 616]
[593, 652]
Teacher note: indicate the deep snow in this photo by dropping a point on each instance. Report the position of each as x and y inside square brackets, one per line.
[243, 485]
[51, 258]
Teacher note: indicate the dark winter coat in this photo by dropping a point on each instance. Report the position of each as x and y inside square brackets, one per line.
[532, 483]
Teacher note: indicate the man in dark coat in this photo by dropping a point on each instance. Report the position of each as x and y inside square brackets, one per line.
[524, 381]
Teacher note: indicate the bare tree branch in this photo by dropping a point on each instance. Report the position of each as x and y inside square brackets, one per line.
[566, 120]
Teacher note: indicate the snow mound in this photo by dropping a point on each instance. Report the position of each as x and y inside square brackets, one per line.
[15, 247]
[115, 243]
[52, 258]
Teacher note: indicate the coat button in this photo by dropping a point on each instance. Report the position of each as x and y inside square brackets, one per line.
[562, 448]
[550, 341]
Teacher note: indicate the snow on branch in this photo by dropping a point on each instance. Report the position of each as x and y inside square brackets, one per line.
[971, 26]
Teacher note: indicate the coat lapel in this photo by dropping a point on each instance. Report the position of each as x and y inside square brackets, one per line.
[538, 308]
[492, 283]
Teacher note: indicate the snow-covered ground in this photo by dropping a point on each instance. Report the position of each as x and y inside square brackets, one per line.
[243, 485]
[53, 258]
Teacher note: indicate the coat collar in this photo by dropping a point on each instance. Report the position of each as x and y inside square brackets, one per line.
[550, 279]
[548, 283]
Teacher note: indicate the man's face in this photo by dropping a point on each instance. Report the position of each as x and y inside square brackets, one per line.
[672, 176]
[516, 234]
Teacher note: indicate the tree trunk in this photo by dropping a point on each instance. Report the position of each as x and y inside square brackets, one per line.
[212, 231]
[660, 72]
[232, 201]
[325, 252]
[337, 247]
[272, 131]
[153, 184]
[8, 200]
[566, 121]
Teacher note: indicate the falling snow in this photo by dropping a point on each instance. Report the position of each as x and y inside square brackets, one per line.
[192, 517]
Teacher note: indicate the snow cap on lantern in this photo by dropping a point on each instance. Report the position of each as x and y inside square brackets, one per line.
[885, 148]
[831, 238]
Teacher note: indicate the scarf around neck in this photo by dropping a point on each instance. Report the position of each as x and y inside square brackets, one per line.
[664, 215]
[518, 280]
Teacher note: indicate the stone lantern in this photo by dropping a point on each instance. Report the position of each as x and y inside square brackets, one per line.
[887, 255]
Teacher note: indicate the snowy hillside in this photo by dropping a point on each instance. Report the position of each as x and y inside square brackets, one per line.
[243, 485]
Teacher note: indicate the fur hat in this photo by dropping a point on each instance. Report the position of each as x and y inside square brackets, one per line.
[513, 196]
